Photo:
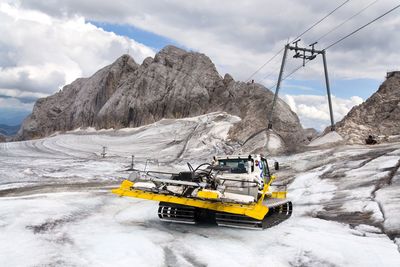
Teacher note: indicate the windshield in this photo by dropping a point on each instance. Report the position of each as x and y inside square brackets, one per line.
[235, 165]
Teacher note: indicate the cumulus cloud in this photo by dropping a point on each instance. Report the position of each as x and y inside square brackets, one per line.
[40, 53]
[313, 110]
[240, 36]
[46, 44]
[11, 102]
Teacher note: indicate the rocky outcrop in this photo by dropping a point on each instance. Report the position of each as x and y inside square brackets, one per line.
[77, 104]
[175, 84]
[378, 116]
[311, 133]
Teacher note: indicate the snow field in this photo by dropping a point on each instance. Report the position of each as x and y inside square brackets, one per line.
[56, 207]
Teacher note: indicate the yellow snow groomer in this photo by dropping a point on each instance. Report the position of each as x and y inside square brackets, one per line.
[232, 191]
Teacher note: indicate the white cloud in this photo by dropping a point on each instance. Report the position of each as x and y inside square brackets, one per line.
[239, 36]
[15, 93]
[313, 110]
[12, 103]
[40, 53]
[291, 102]
[46, 44]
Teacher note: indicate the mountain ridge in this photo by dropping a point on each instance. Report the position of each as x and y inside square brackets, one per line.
[379, 115]
[173, 84]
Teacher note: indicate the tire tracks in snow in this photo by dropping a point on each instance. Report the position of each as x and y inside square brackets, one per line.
[187, 140]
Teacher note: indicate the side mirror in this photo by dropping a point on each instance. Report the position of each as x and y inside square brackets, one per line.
[276, 165]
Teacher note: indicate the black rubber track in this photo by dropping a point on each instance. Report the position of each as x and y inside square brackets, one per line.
[274, 216]
[186, 214]
[176, 213]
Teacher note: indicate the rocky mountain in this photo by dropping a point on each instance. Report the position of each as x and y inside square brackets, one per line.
[173, 84]
[379, 115]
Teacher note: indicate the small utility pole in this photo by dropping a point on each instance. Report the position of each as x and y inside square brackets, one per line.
[103, 154]
[132, 162]
[306, 54]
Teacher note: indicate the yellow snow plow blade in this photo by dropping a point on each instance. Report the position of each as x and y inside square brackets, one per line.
[254, 210]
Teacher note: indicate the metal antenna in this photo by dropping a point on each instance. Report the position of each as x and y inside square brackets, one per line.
[103, 154]
[133, 162]
[297, 54]
[145, 166]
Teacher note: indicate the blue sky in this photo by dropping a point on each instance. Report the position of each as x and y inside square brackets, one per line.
[343, 88]
[145, 37]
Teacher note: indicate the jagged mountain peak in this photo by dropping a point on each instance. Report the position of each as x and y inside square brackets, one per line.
[177, 58]
[175, 84]
[171, 50]
[123, 60]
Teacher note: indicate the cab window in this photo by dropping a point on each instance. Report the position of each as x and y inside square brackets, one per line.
[235, 165]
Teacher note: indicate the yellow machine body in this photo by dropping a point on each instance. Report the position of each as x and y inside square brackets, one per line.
[205, 199]
[209, 194]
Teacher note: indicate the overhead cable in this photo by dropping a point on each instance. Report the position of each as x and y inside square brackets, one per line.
[362, 27]
[304, 32]
[347, 20]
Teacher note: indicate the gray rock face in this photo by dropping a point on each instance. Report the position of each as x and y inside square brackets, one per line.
[379, 115]
[77, 104]
[175, 84]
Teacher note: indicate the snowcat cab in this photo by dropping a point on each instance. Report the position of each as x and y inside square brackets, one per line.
[242, 177]
[232, 191]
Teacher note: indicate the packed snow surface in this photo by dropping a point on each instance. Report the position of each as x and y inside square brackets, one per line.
[56, 208]
[331, 137]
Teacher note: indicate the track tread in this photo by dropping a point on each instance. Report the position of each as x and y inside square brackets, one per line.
[274, 216]
[176, 213]
[186, 214]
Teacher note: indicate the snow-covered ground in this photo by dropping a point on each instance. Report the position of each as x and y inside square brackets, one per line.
[75, 157]
[56, 208]
[329, 138]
